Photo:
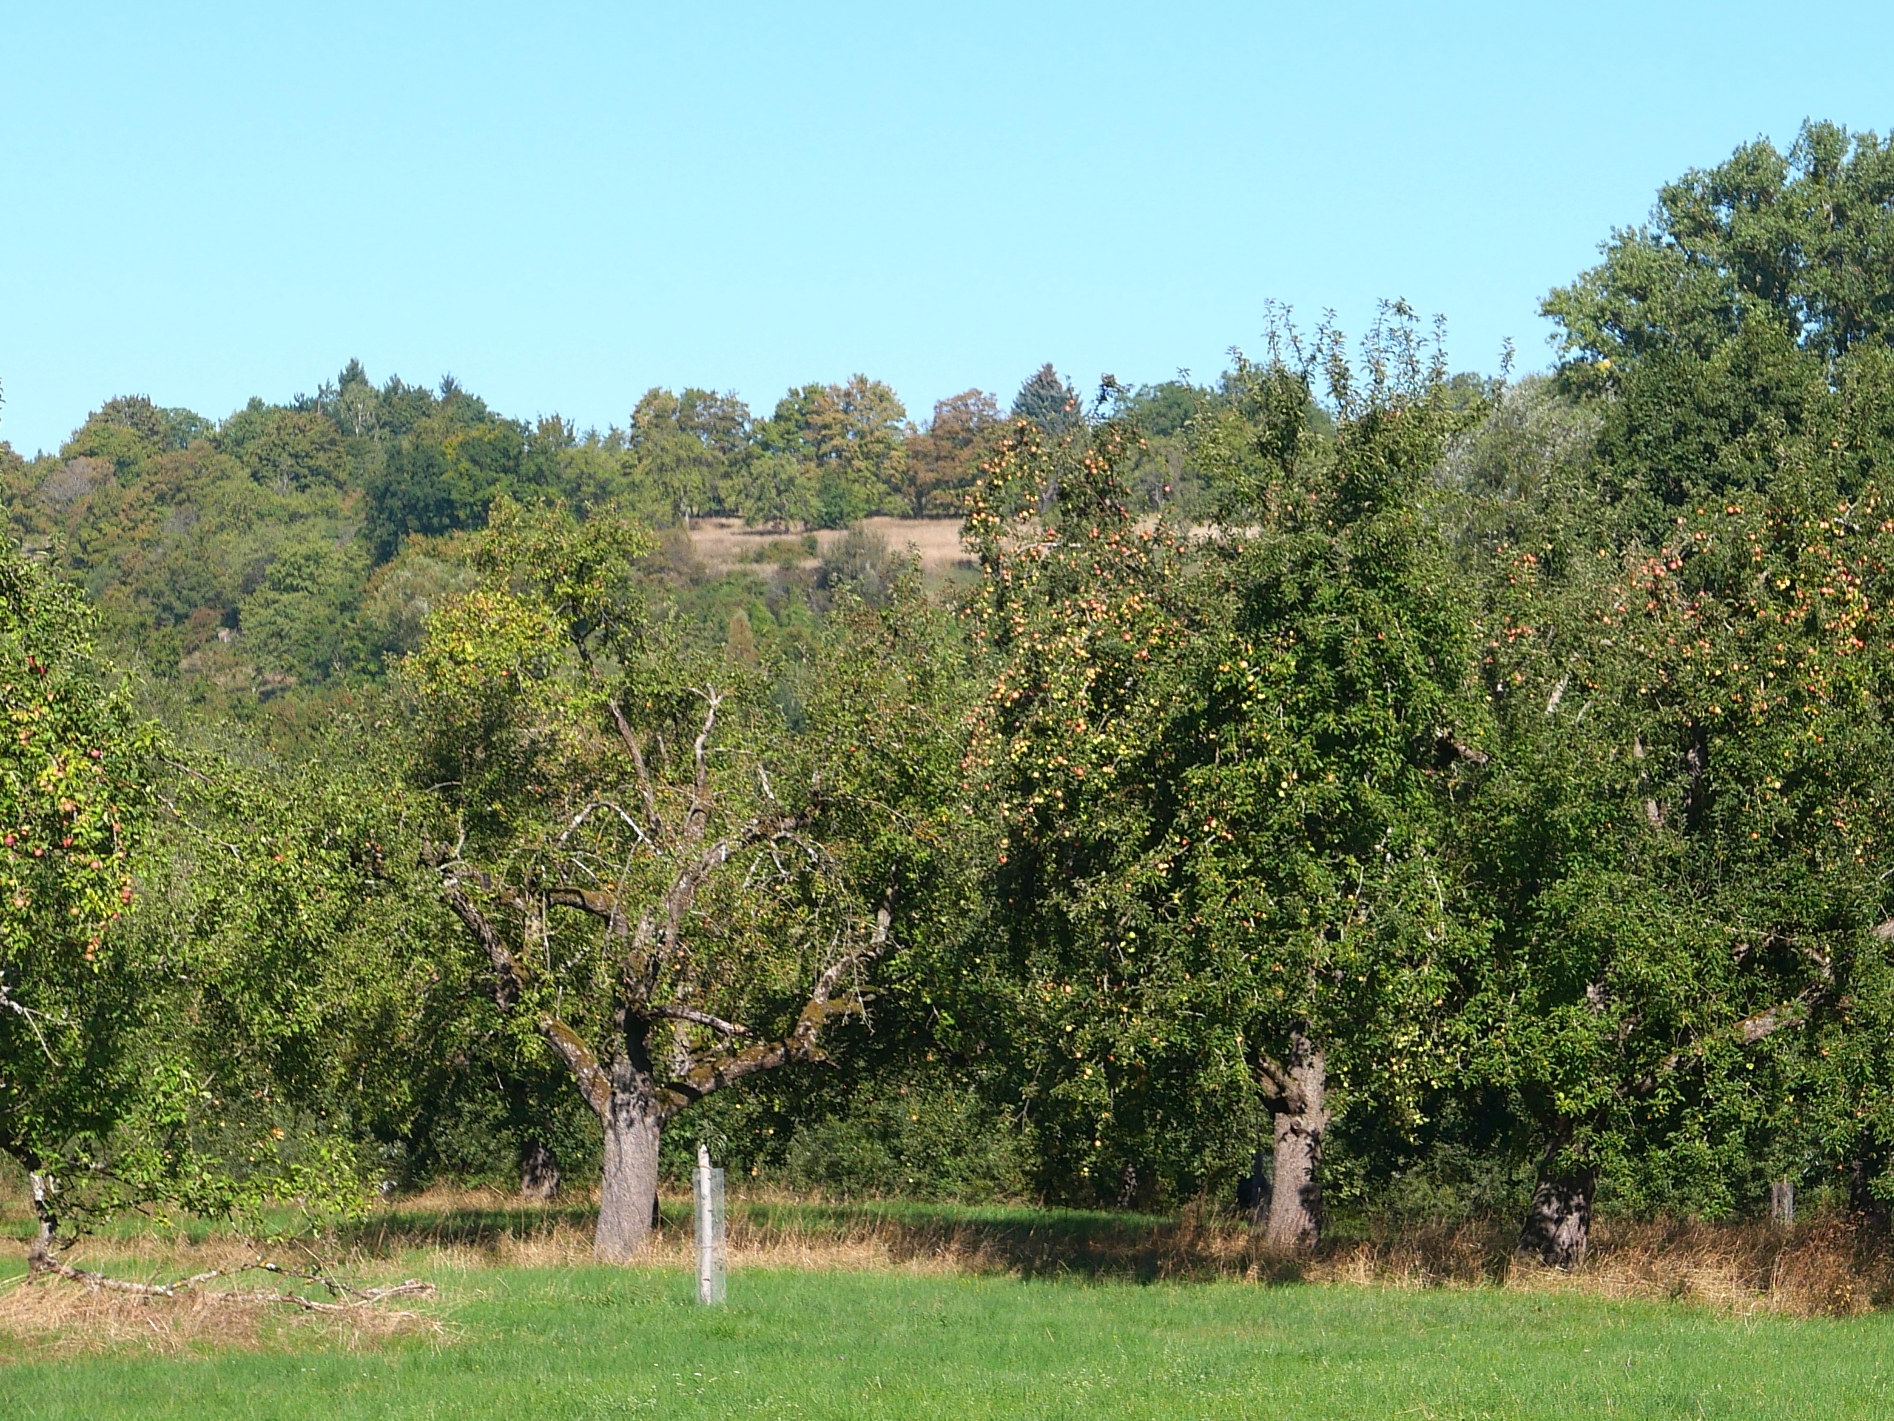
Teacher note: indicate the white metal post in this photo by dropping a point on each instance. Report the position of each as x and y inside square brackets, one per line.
[708, 1193]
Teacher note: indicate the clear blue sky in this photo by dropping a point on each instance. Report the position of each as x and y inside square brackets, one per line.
[563, 204]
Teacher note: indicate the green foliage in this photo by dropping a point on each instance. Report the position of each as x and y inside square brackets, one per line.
[1163, 471]
[441, 475]
[174, 523]
[1223, 773]
[1687, 825]
[1518, 749]
[688, 447]
[1338, 730]
[1047, 400]
[774, 487]
[286, 1019]
[74, 778]
[1799, 241]
[925, 1140]
[178, 951]
[286, 448]
[850, 436]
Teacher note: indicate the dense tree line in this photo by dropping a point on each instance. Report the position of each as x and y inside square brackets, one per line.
[1350, 785]
[302, 544]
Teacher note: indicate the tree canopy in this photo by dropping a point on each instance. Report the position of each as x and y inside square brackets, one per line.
[1351, 785]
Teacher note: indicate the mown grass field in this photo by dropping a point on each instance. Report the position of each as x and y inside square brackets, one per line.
[908, 1311]
[588, 1342]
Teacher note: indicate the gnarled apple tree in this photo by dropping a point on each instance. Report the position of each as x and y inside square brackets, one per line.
[669, 881]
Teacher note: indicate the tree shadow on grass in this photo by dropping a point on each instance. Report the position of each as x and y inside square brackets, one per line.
[1024, 1242]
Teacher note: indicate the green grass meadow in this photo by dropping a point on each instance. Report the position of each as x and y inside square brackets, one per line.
[587, 1342]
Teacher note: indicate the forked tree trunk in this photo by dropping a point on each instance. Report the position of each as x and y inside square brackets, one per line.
[629, 1189]
[1295, 1195]
[1558, 1223]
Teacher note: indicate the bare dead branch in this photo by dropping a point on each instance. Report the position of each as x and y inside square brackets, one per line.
[32, 1018]
[700, 750]
[645, 792]
[578, 820]
[697, 817]
[356, 1298]
[198, 775]
[47, 1264]
[877, 943]
[700, 1018]
[683, 890]
[367, 1298]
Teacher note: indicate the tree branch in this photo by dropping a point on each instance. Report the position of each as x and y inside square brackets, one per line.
[595, 1084]
[698, 815]
[510, 982]
[1764, 1024]
[1279, 1087]
[645, 792]
[683, 890]
[801, 1042]
[701, 1018]
[509, 979]
[700, 750]
[359, 1297]
[1747, 1032]
[590, 900]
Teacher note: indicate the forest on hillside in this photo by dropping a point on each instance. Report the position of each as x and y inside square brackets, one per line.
[1351, 787]
[302, 545]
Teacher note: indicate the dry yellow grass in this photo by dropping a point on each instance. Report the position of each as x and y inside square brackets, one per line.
[723, 543]
[57, 1316]
[1827, 1265]
[53, 1317]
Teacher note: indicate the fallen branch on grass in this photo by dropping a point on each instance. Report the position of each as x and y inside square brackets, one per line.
[353, 1299]
[364, 1298]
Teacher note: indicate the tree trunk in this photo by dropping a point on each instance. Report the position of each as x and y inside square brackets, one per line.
[1782, 1201]
[39, 1253]
[539, 1172]
[1558, 1224]
[630, 1186]
[1861, 1197]
[1295, 1195]
[1252, 1193]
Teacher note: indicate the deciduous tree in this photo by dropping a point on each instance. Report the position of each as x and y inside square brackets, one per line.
[669, 885]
